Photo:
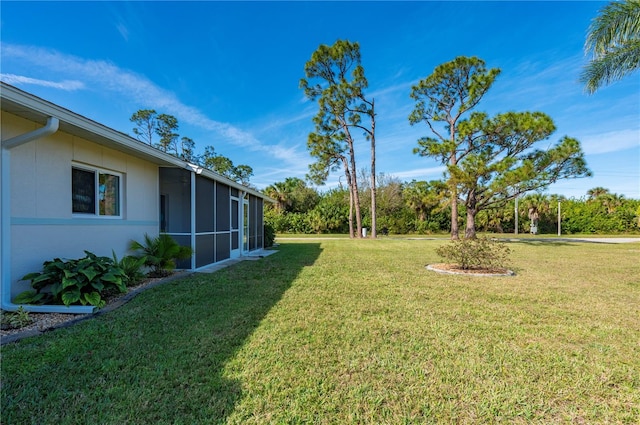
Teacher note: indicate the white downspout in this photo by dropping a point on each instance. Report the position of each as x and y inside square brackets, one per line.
[193, 220]
[243, 253]
[5, 223]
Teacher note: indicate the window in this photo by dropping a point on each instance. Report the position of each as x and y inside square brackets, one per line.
[95, 192]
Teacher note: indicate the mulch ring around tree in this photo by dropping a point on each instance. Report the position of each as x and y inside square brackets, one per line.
[445, 268]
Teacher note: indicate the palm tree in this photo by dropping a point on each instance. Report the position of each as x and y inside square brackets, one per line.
[536, 205]
[597, 192]
[422, 197]
[614, 42]
[611, 201]
[280, 193]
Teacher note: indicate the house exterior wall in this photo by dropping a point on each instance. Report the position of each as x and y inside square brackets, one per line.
[42, 223]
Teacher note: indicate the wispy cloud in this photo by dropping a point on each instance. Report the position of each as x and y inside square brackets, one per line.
[123, 30]
[420, 173]
[612, 141]
[128, 84]
[69, 85]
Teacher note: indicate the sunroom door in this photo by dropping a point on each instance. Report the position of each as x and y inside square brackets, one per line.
[245, 226]
[235, 228]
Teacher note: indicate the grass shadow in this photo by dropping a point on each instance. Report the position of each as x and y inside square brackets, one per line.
[158, 359]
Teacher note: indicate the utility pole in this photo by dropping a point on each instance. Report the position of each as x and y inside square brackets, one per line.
[559, 218]
[516, 215]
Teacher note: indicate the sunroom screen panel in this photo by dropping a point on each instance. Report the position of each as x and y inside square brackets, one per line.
[175, 191]
[223, 246]
[223, 208]
[204, 250]
[204, 205]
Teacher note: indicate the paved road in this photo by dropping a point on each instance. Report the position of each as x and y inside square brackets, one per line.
[597, 240]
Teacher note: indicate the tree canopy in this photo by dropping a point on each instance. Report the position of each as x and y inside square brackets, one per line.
[149, 124]
[442, 99]
[490, 160]
[335, 79]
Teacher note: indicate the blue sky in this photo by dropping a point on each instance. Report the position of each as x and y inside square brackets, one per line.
[229, 71]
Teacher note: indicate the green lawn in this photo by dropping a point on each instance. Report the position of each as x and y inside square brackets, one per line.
[338, 332]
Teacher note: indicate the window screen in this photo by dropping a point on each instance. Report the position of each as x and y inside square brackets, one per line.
[83, 190]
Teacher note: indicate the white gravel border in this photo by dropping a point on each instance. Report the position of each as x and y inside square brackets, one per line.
[471, 273]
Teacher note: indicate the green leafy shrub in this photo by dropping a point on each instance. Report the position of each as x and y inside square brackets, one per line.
[269, 235]
[131, 267]
[480, 253]
[82, 281]
[15, 319]
[32, 297]
[160, 254]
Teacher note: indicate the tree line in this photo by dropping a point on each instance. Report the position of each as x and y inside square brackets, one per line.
[423, 207]
[161, 132]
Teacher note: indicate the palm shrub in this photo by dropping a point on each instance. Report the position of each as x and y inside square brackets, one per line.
[160, 254]
[478, 253]
[82, 281]
[131, 267]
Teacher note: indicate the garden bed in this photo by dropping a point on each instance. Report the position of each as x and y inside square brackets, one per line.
[43, 322]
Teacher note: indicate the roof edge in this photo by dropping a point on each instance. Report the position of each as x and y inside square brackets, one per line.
[114, 138]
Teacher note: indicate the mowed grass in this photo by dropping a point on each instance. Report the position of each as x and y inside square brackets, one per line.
[341, 331]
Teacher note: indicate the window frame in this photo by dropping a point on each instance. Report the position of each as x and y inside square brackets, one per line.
[97, 172]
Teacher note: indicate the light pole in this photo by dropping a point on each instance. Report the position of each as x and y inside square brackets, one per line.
[559, 218]
[516, 216]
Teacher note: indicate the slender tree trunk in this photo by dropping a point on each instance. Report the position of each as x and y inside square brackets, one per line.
[356, 205]
[347, 175]
[453, 160]
[351, 233]
[374, 233]
[454, 213]
[354, 189]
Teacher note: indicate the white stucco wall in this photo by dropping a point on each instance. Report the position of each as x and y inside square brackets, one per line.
[42, 224]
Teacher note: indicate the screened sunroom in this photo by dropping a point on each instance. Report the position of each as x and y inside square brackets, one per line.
[218, 220]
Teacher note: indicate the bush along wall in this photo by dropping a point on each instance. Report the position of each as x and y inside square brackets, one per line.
[83, 281]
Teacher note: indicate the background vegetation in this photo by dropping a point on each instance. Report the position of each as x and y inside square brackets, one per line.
[420, 207]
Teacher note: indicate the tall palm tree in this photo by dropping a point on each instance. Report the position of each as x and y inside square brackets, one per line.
[597, 192]
[611, 201]
[536, 205]
[614, 42]
[280, 193]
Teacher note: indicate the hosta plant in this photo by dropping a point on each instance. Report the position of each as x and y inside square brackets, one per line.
[83, 281]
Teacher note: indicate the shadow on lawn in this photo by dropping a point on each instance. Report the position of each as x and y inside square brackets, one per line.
[161, 358]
